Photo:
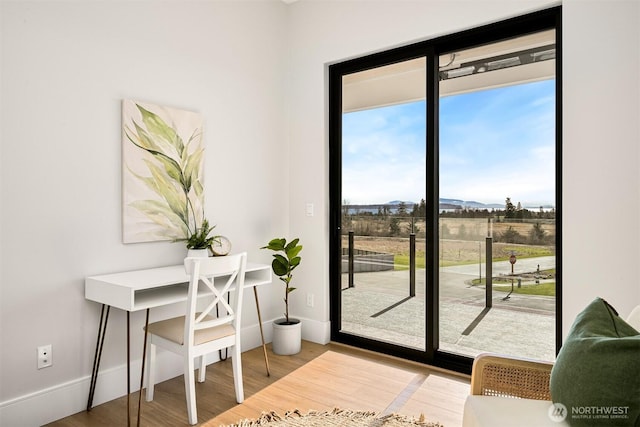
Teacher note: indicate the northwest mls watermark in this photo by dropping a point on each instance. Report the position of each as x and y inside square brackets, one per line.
[559, 412]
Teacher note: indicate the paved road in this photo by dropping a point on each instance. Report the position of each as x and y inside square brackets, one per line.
[523, 265]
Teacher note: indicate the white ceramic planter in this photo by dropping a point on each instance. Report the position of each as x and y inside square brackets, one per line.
[198, 253]
[287, 339]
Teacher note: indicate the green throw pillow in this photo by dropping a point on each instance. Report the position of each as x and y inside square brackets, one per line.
[597, 373]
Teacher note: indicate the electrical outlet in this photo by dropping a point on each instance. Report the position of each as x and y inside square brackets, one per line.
[44, 356]
[309, 300]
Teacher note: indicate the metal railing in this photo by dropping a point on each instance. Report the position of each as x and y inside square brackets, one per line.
[368, 258]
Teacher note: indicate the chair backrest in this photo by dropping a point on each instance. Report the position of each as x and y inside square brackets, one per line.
[223, 278]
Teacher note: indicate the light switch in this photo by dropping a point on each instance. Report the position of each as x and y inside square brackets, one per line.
[309, 209]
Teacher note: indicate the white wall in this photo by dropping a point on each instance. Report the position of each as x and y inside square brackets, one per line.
[257, 71]
[66, 66]
[601, 135]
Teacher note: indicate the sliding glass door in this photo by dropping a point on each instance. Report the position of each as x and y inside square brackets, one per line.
[445, 182]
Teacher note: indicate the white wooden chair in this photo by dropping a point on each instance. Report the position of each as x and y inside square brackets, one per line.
[199, 333]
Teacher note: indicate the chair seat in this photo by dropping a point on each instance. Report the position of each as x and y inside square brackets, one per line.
[493, 411]
[173, 330]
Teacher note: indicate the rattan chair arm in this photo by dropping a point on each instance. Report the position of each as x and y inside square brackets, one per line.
[497, 375]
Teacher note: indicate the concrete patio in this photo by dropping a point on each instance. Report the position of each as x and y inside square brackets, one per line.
[379, 306]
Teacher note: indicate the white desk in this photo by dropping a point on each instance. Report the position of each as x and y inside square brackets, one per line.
[145, 289]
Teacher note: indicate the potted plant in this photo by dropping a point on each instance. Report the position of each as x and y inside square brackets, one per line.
[199, 243]
[287, 332]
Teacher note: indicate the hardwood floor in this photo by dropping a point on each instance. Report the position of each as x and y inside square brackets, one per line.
[319, 377]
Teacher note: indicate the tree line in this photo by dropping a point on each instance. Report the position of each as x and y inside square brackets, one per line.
[510, 212]
[403, 222]
[419, 210]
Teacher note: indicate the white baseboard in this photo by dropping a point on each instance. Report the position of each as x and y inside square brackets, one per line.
[316, 331]
[51, 404]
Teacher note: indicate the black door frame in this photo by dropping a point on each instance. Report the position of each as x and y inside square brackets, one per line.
[431, 49]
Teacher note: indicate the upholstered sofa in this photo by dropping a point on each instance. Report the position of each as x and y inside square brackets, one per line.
[507, 391]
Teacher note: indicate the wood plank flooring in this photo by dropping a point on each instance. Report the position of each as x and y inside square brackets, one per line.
[319, 377]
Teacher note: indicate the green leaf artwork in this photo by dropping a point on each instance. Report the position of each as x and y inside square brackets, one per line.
[162, 173]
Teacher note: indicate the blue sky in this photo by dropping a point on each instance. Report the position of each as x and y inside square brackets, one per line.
[494, 144]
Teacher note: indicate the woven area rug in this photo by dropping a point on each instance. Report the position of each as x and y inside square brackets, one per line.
[336, 417]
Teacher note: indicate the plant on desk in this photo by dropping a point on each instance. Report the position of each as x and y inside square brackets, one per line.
[200, 240]
[287, 332]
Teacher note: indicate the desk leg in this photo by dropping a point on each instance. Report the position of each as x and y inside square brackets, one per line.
[264, 346]
[128, 370]
[102, 329]
[144, 358]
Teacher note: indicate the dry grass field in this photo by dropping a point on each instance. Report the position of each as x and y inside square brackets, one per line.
[451, 251]
[450, 228]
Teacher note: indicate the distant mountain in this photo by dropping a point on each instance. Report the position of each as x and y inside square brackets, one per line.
[470, 204]
[445, 203]
[453, 204]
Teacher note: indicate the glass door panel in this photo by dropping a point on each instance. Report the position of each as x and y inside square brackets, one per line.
[383, 207]
[497, 182]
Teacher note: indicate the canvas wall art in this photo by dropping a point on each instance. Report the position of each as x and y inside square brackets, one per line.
[162, 172]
